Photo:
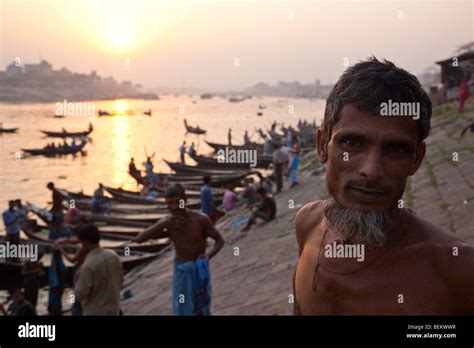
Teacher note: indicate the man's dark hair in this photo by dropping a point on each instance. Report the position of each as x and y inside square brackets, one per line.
[14, 291]
[50, 185]
[88, 232]
[207, 179]
[368, 84]
[176, 191]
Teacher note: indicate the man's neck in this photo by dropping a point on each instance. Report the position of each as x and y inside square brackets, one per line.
[94, 247]
[181, 212]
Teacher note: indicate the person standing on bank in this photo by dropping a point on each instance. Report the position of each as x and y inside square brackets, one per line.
[57, 208]
[280, 161]
[295, 161]
[182, 152]
[189, 231]
[99, 280]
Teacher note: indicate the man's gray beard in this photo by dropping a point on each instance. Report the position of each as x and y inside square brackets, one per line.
[357, 226]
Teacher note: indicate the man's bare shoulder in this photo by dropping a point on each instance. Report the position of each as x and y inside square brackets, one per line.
[424, 232]
[443, 246]
[307, 218]
[198, 217]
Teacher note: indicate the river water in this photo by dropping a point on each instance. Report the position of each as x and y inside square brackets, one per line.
[116, 139]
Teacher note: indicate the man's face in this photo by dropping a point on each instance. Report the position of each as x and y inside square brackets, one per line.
[17, 297]
[369, 158]
[174, 204]
[86, 245]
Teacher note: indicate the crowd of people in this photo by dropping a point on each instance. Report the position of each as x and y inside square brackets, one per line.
[97, 274]
[63, 145]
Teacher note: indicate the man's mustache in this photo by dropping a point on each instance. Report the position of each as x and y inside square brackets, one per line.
[364, 184]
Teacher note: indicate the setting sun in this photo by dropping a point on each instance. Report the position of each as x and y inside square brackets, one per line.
[121, 26]
[118, 41]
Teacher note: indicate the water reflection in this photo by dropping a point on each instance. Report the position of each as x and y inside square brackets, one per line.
[121, 107]
[117, 138]
[120, 146]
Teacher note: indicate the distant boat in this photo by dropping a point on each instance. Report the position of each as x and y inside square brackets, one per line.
[194, 130]
[206, 96]
[65, 134]
[147, 112]
[8, 130]
[106, 113]
[259, 113]
[236, 99]
[103, 113]
[51, 152]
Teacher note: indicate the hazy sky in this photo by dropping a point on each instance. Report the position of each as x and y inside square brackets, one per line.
[197, 43]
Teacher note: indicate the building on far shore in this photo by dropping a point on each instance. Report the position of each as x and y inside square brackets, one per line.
[40, 82]
[290, 89]
[453, 70]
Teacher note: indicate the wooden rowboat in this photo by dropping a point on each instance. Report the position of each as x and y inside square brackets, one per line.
[119, 192]
[40, 233]
[183, 169]
[217, 147]
[8, 130]
[194, 130]
[213, 163]
[10, 272]
[68, 134]
[56, 151]
[131, 220]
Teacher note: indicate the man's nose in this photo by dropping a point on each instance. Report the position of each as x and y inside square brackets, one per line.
[372, 166]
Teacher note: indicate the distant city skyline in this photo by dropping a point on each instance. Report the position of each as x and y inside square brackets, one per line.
[221, 45]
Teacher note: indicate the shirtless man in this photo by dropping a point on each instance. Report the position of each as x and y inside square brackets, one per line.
[360, 252]
[188, 231]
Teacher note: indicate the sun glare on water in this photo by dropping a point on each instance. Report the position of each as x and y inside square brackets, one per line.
[121, 107]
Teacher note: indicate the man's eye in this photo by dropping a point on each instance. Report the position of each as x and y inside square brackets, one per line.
[351, 142]
[396, 148]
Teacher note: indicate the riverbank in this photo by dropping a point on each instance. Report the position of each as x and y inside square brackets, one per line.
[252, 275]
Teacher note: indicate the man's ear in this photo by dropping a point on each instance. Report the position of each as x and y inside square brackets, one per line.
[420, 154]
[322, 146]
